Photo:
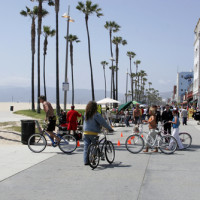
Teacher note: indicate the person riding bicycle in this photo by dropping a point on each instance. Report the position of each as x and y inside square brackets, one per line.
[152, 127]
[50, 117]
[92, 126]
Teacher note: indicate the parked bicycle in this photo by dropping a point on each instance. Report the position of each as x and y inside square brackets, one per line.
[101, 149]
[136, 142]
[185, 137]
[38, 142]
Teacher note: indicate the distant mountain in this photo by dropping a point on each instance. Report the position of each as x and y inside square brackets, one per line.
[23, 94]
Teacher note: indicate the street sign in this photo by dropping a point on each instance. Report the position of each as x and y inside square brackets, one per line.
[65, 86]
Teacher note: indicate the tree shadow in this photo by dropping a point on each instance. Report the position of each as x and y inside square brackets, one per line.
[14, 133]
[11, 140]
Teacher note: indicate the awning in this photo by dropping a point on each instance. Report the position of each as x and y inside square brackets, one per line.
[124, 106]
[135, 102]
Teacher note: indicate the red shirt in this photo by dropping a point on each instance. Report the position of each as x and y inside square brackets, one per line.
[72, 119]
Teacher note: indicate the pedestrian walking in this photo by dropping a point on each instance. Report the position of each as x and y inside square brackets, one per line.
[127, 117]
[137, 115]
[92, 127]
[184, 115]
[166, 117]
[175, 124]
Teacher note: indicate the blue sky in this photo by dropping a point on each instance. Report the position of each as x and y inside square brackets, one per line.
[160, 32]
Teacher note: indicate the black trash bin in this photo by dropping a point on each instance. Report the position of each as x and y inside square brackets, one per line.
[11, 108]
[27, 129]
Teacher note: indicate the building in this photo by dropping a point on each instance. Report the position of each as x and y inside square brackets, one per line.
[196, 83]
[184, 80]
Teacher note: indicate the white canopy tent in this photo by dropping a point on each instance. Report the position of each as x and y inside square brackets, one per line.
[107, 101]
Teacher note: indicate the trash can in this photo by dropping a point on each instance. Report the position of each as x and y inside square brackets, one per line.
[11, 108]
[27, 129]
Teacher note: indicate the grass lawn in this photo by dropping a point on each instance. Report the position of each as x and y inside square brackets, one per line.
[38, 116]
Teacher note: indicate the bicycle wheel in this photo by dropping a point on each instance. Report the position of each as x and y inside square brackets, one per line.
[67, 144]
[167, 144]
[93, 155]
[109, 152]
[134, 143]
[186, 139]
[37, 143]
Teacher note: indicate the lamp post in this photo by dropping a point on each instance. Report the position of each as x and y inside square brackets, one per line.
[65, 15]
[112, 80]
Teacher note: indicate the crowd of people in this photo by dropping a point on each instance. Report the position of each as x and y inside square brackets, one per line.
[93, 121]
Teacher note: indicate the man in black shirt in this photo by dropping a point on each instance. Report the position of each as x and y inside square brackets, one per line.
[167, 116]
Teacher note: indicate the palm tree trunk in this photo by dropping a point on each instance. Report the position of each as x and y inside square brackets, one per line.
[112, 72]
[39, 33]
[92, 82]
[113, 80]
[72, 72]
[111, 86]
[32, 83]
[131, 79]
[104, 79]
[117, 57]
[45, 94]
[33, 56]
[57, 62]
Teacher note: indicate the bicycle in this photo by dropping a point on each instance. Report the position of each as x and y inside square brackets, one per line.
[136, 142]
[37, 142]
[100, 148]
[185, 137]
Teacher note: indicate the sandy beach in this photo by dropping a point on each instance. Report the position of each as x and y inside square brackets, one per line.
[5, 106]
[9, 137]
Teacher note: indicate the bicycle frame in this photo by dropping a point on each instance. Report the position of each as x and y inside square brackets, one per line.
[155, 141]
[44, 132]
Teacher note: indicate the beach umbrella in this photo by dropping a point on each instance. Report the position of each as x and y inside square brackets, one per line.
[107, 101]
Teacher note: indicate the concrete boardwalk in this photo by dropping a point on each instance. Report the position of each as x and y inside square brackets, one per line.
[53, 175]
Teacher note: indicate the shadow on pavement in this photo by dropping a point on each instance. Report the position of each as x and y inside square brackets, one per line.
[14, 133]
[11, 140]
[113, 165]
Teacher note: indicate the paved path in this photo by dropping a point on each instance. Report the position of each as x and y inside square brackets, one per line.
[53, 175]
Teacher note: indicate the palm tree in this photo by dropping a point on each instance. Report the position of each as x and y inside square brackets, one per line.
[133, 77]
[33, 15]
[117, 41]
[104, 63]
[88, 9]
[137, 62]
[149, 83]
[71, 39]
[142, 74]
[57, 4]
[112, 27]
[47, 32]
[40, 15]
[131, 55]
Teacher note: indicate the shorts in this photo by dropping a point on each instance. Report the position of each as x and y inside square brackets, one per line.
[137, 120]
[52, 124]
